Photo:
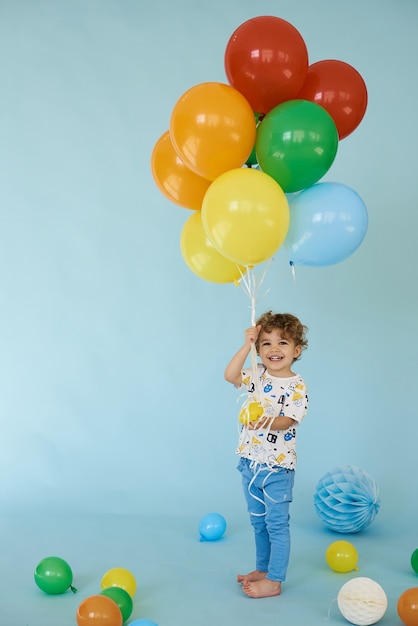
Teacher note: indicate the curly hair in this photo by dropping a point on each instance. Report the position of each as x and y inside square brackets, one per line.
[291, 327]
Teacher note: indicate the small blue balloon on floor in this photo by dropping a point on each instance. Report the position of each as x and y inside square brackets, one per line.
[212, 527]
[143, 622]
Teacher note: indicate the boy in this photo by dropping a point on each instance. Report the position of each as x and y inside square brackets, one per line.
[277, 402]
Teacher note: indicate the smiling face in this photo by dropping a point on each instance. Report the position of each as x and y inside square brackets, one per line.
[277, 352]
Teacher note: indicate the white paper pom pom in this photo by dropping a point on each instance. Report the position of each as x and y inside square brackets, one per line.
[362, 601]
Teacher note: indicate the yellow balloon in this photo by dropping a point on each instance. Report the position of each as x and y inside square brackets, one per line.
[213, 129]
[246, 215]
[251, 413]
[119, 577]
[201, 256]
[342, 556]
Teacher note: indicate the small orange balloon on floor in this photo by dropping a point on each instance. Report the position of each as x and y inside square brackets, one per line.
[408, 607]
[99, 610]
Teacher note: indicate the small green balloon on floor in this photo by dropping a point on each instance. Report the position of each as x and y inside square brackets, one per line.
[53, 575]
[122, 599]
[414, 561]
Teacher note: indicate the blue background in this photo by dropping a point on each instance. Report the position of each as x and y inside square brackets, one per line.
[118, 429]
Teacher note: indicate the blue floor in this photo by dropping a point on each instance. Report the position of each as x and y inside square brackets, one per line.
[182, 581]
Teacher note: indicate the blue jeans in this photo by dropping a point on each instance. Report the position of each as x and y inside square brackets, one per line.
[268, 494]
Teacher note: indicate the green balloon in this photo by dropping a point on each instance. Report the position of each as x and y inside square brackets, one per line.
[252, 159]
[53, 575]
[414, 560]
[296, 144]
[122, 598]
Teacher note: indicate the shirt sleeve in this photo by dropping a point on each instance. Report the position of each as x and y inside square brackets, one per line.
[295, 404]
[245, 379]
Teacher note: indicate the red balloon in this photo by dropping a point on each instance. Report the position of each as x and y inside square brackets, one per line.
[340, 90]
[266, 59]
[408, 607]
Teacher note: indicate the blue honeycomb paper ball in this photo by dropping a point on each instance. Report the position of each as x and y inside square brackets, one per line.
[347, 499]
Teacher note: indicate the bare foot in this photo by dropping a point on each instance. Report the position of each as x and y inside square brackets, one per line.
[263, 588]
[251, 577]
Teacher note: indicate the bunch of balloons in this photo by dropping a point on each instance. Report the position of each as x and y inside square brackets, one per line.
[246, 156]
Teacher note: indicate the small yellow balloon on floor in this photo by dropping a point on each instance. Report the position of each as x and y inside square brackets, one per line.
[119, 577]
[342, 556]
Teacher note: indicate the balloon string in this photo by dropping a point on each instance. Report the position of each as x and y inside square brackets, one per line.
[329, 609]
[292, 266]
[254, 371]
[251, 283]
[256, 473]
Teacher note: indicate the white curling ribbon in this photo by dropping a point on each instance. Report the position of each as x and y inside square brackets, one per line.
[254, 409]
[251, 284]
[292, 267]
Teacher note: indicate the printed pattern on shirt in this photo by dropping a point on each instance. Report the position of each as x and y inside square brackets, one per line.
[279, 396]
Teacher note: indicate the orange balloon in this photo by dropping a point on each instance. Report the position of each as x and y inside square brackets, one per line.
[201, 256]
[408, 607]
[176, 181]
[99, 611]
[213, 129]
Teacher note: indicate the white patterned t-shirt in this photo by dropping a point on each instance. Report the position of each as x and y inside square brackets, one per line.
[278, 396]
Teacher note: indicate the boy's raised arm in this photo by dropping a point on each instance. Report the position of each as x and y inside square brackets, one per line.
[234, 368]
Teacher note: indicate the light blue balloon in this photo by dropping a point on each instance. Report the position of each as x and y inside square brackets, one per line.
[142, 622]
[328, 222]
[212, 526]
[347, 499]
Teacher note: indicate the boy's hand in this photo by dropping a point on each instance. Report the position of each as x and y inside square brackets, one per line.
[263, 422]
[251, 335]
